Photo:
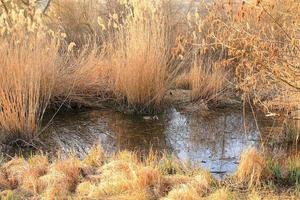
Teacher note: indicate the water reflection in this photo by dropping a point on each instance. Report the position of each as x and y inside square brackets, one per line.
[213, 140]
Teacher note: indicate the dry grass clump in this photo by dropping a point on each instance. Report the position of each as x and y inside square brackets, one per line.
[141, 68]
[37, 167]
[119, 177]
[61, 179]
[206, 85]
[40, 68]
[194, 187]
[28, 71]
[222, 193]
[13, 171]
[252, 167]
[95, 158]
[254, 195]
[19, 173]
[184, 192]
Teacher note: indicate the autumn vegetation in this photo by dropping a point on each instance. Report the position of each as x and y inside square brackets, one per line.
[124, 176]
[132, 53]
[129, 55]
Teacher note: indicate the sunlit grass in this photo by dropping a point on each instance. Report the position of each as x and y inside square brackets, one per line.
[29, 70]
[252, 168]
[122, 176]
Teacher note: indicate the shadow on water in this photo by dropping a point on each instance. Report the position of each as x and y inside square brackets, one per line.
[211, 139]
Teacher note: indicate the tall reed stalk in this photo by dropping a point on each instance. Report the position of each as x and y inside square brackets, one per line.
[29, 69]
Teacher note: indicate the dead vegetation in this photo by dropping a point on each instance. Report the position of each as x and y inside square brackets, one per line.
[124, 176]
[30, 67]
[252, 168]
[256, 43]
[131, 53]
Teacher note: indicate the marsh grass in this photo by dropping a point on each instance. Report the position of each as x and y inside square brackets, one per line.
[122, 176]
[207, 85]
[204, 84]
[293, 164]
[132, 43]
[41, 69]
[27, 83]
[78, 20]
[131, 53]
[141, 66]
[28, 70]
[252, 168]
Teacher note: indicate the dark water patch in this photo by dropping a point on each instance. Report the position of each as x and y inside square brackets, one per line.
[210, 139]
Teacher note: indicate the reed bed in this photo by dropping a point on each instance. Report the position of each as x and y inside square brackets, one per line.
[30, 64]
[131, 53]
[141, 66]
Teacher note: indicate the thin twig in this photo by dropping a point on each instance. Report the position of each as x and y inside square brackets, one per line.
[279, 25]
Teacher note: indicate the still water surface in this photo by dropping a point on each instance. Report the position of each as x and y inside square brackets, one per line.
[210, 139]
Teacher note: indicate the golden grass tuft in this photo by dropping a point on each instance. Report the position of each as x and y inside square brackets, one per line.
[24, 174]
[8, 194]
[202, 181]
[62, 178]
[148, 177]
[222, 194]
[119, 177]
[189, 187]
[28, 71]
[254, 195]
[14, 170]
[37, 167]
[206, 85]
[184, 192]
[4, 182]
[252, 168]
[95, 157]
[26, 84]
[140, 63]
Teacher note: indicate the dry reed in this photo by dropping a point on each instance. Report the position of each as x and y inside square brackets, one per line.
[91, 51]
[28, 70]
[252, 168]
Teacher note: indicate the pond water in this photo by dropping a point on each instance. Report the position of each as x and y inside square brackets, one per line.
[210, 139]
